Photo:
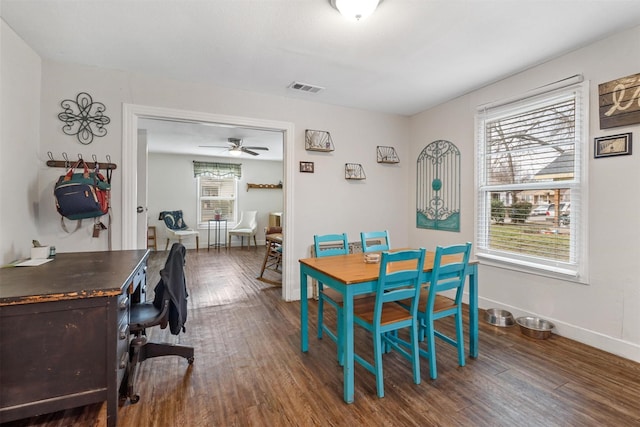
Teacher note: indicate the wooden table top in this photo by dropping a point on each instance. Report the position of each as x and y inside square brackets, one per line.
[71, 276]
[351, 268]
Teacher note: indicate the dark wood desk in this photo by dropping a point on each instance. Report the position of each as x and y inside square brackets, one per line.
[64, 331]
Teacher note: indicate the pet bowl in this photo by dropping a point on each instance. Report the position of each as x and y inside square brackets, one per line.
[535, 327]
[497, 317]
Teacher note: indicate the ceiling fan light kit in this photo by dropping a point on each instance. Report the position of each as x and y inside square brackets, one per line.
[236, 148]
[355, 10]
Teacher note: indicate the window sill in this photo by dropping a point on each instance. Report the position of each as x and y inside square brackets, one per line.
[527, 267]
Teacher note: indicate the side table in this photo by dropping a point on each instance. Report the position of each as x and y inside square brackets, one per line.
[218, 228]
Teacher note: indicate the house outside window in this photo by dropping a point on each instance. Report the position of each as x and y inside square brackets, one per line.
[216, 196]
[531, 168]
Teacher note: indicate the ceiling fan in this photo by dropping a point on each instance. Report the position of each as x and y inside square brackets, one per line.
[236, 148]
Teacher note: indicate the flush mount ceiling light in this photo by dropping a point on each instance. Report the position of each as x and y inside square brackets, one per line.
[355, 10]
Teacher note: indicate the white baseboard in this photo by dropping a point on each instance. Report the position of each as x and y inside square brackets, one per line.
[612, 345]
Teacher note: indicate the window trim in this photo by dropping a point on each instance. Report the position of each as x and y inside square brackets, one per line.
[579, 273]
[230, 221]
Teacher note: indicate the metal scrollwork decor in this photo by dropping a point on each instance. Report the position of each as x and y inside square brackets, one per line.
[438, 187]
[84, 118]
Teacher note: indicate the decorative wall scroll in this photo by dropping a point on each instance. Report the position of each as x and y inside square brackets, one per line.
[84, 118]
[387, 155]
[354, 171]
[619, 102]
[438, 187]
[318, 140]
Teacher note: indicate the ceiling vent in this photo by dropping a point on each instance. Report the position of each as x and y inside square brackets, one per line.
[305, 87]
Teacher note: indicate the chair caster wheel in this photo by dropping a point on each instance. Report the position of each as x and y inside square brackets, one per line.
[190, 360]
[135, 398]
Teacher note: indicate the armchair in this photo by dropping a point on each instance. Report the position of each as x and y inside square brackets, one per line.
[247, 227]
[176, 228]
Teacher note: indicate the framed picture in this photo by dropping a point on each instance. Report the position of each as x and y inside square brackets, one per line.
[614, 145]
[306, 167]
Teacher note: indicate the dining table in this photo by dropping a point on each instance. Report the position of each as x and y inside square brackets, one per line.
[350, 275]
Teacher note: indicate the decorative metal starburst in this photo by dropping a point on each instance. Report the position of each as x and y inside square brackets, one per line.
[84, 118]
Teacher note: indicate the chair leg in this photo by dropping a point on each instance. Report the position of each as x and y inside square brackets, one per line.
[197, 242]
[255, 243]
[431, 344]
[377, 355]
[460, 339]
[167, 246]
[415, 354]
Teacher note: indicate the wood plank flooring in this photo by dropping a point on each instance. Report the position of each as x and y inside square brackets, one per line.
[249, 370]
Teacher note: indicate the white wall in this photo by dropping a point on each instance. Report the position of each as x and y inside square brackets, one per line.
[172, 186]
[322, 202]
[20, 155]
[605, 312]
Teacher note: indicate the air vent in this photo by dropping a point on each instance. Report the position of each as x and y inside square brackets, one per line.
[305, 87]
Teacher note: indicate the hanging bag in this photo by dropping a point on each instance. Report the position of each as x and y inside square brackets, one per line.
[82, 195]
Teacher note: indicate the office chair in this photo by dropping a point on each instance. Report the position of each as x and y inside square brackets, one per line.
[169, 308]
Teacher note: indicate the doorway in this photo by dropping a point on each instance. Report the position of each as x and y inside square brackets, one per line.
[130, 168]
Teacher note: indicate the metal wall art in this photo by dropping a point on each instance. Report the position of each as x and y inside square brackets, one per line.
[387, 155]
[354, 171]
[318, 140]
[438, 187]
[84, 118]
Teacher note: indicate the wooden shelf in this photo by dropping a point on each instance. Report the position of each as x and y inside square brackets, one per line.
[264, 186]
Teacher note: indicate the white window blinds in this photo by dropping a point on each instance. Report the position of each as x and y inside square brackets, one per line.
[530, 179]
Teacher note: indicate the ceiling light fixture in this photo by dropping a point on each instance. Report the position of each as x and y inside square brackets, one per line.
[355, 10]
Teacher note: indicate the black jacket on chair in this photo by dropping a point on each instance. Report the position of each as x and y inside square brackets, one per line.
[172, 280]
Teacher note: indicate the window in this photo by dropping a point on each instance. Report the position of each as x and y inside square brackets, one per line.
[531, 158]
[217, 189]
[216, 195]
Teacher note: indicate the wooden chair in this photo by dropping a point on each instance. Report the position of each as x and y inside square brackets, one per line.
[330, 245]
[383, 317]
[381, 239]
[433, 306]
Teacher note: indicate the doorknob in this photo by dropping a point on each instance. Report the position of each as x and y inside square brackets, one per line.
[140, 209]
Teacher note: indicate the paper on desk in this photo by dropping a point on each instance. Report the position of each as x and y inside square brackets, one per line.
[33, 262]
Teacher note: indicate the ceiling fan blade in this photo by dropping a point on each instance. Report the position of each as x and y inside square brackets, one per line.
[246, 150]
[212, 146]
[256, 148]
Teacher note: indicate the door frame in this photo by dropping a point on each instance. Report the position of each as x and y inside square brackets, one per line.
[130, 115]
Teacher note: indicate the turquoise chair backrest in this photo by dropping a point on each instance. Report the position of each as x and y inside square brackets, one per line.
[334, 244]
[450, 275]
[382, 236]
[399, 282]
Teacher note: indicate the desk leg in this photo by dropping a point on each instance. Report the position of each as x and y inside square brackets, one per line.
[304, 312]
[473, 312]
[347, 346]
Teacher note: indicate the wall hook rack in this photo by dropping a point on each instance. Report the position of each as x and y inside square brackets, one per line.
[66, 163]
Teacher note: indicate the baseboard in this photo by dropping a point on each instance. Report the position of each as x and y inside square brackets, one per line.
[612, 345]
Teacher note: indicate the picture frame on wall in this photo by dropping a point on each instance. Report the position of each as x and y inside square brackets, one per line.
[613, 145]
[306, 167]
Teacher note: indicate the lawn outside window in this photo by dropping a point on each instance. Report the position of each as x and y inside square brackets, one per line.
[532, 154]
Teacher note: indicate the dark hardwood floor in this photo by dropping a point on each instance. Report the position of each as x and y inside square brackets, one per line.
[249, 370]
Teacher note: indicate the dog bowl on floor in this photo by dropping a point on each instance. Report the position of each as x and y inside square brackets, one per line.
[497, 317]
[535, 327]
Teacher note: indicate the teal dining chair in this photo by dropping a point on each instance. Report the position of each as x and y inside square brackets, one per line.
[446, 276]
[330, 245]
[383, 317]
[381, 239]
